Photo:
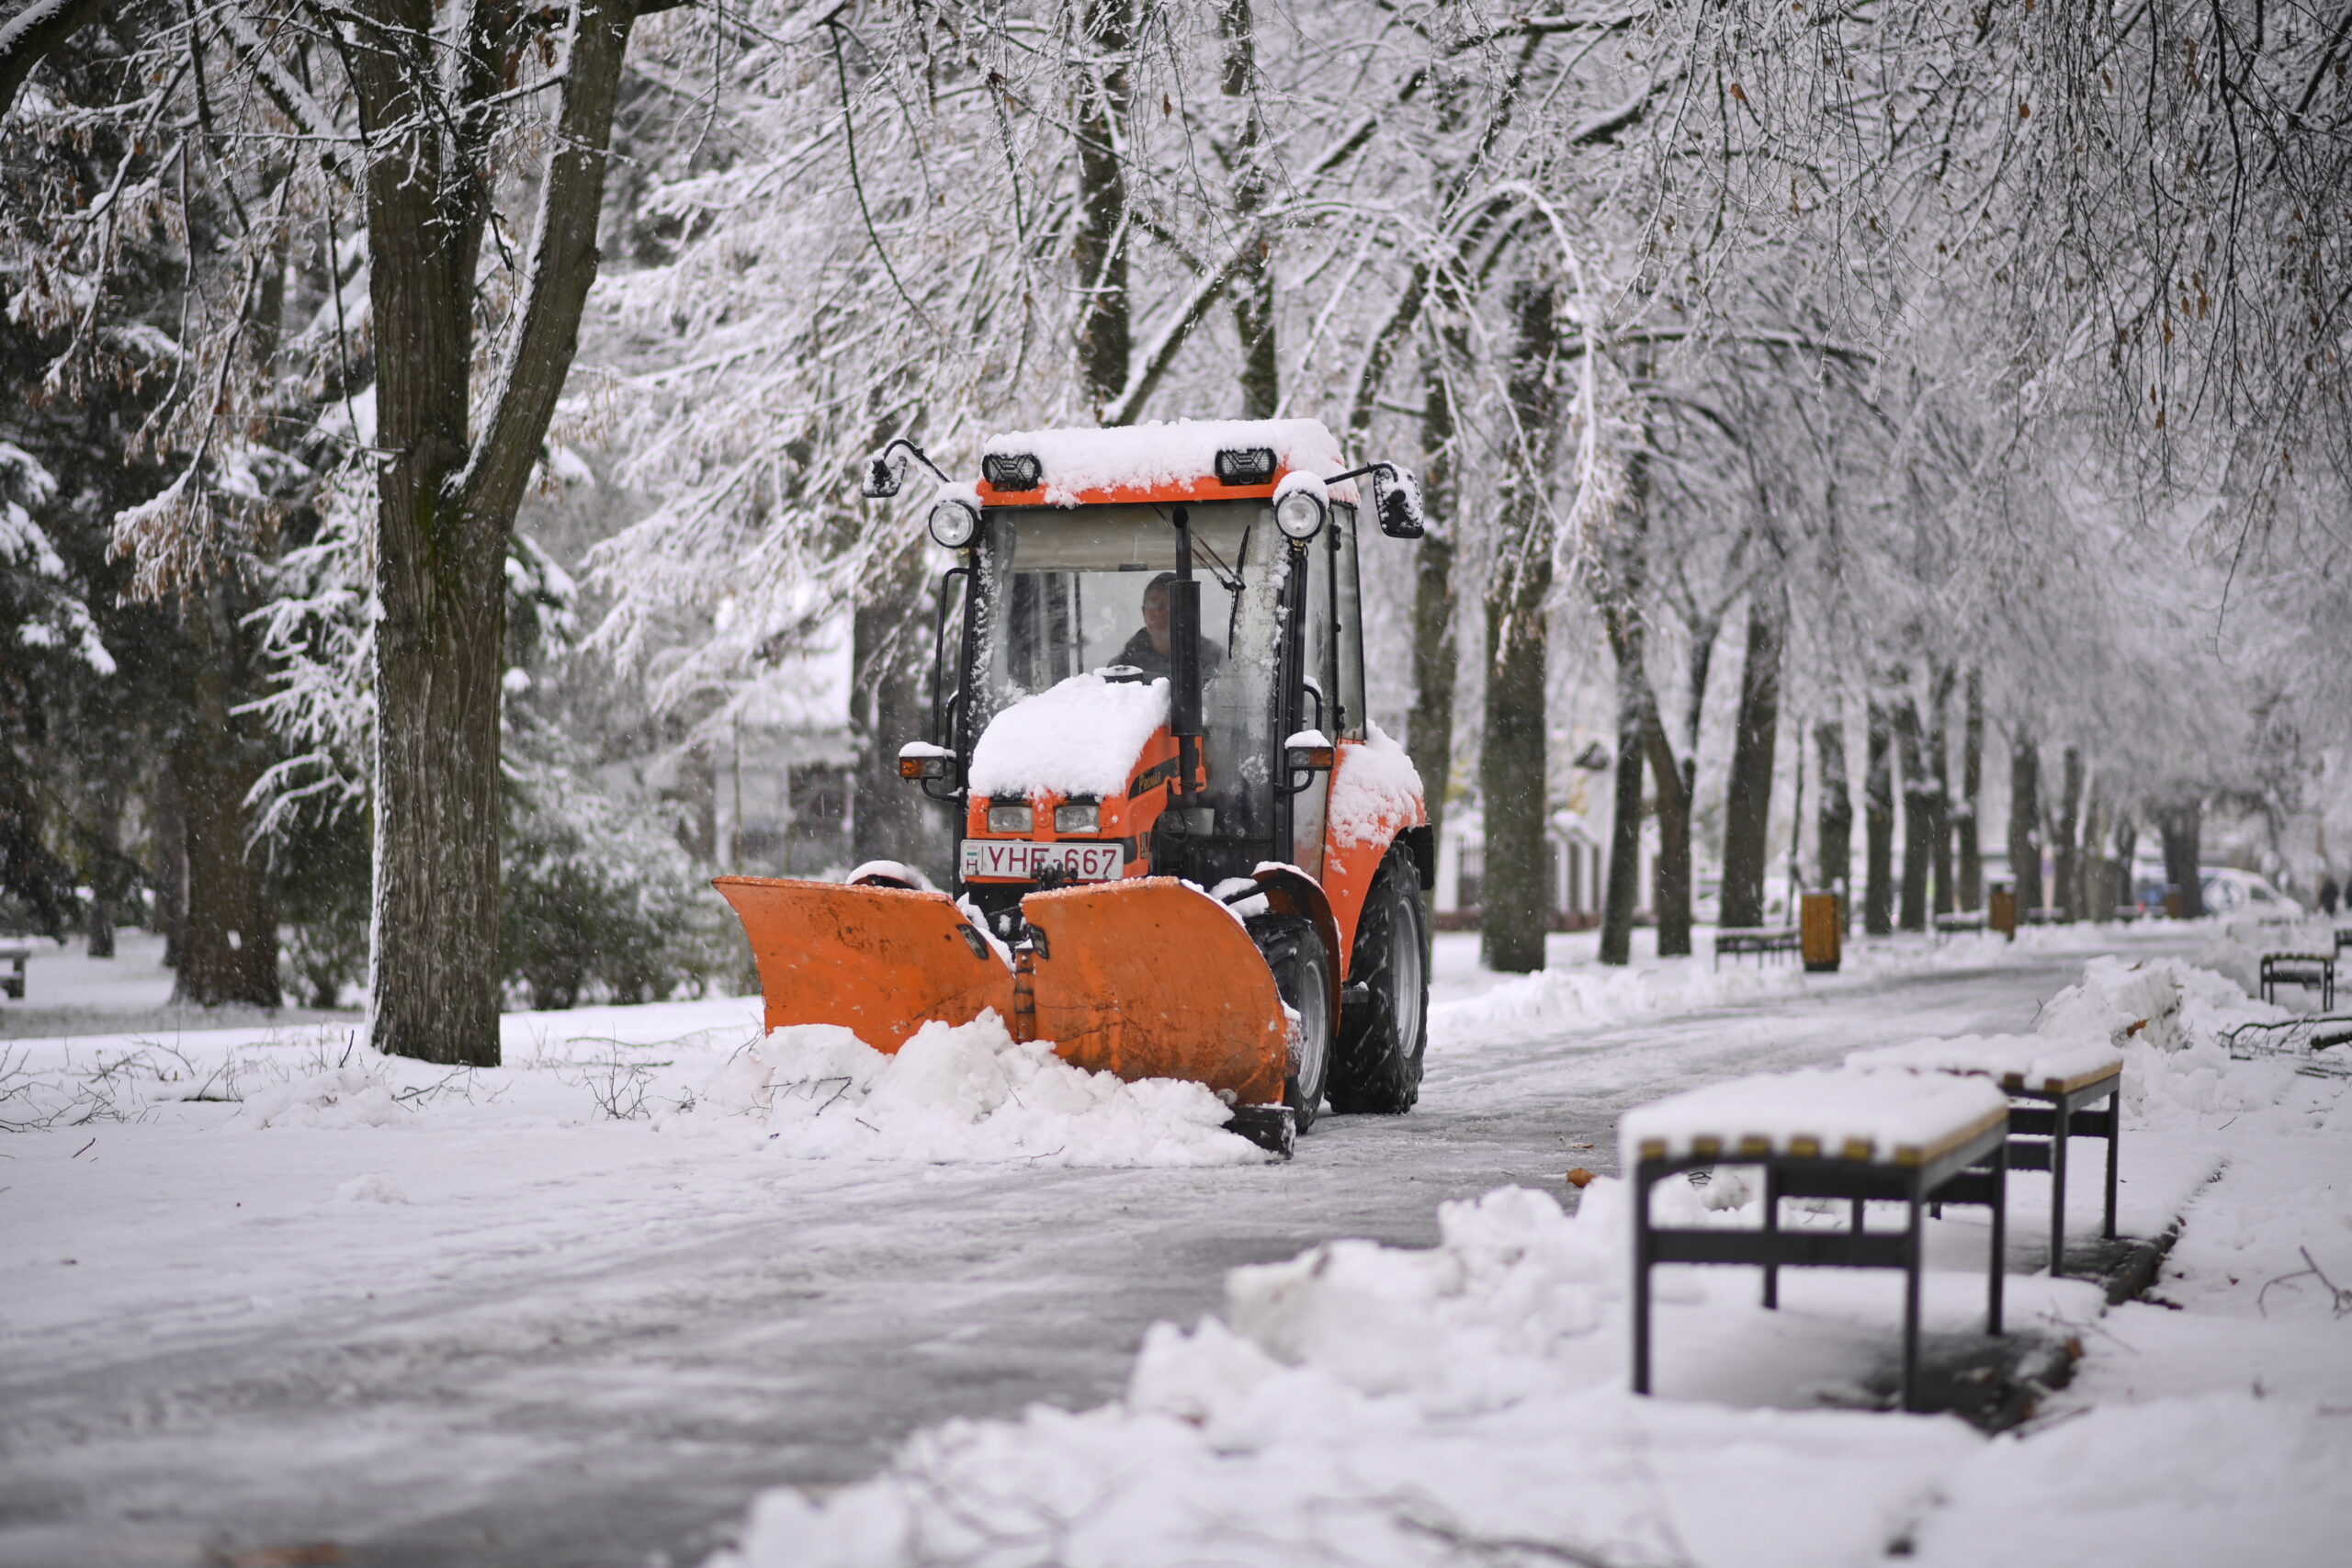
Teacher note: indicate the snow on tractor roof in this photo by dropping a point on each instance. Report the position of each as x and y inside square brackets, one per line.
[1161, 462]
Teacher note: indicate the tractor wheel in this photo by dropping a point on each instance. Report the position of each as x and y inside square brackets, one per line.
[1377, 1067]
[1303, 973]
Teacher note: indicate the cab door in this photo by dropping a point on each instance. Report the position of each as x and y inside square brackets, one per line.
[1323, 702]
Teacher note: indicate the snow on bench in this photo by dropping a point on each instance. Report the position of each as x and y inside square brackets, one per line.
[2312, 971]
[1897, 1119]
[1918, 1139]
[1759, 939]
[2031, 1063]
[2060, 1078]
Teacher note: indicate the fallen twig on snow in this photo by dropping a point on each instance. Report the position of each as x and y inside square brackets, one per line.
[2340, 1299]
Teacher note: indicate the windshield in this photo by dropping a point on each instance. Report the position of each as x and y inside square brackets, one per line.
[1074, 591]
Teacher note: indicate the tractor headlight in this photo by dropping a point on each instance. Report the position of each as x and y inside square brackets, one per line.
[1299, 514]
[1077, 816]
[953, 524]
[1010, 820]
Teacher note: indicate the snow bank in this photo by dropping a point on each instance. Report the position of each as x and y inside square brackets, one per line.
[1376, 1406]
[1080, 737]
[1375, 790]
[1154, 455]
[970, 1092]
[1588, 996]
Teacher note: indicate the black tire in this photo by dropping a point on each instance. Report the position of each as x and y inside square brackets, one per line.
[1303, 973]
[1384, 1028]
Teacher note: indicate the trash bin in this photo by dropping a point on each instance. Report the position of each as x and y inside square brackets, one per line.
[2001, 909]
[1821, 926]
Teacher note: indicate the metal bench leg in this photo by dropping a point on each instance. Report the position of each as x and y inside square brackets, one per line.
[1999, 1265]
[1911, 1306]
[1641, 1284]
[2058, 1125]
[1771, 1227]
[1858, 1216]
[2114, 1138]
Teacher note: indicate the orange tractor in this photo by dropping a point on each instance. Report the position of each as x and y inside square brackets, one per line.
[1186, 850]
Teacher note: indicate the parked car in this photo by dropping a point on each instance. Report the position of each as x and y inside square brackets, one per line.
[2229, 891]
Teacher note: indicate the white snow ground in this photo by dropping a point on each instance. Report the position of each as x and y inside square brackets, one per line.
[580, 1308]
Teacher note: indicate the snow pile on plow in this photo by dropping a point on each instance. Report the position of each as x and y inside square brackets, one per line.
[964, 1093]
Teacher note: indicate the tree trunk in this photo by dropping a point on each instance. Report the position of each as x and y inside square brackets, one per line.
[1104, 330]
[887, 636]
[109, 882]
[1749, 807]
[1938, 786]
[447, 495]
[1253, 284]
[1918, 822]
[171, 863]
[2025, 822]
[1429, 727]
[228, 941]
[2065, 837]
[1972, 782]
[1670, 889]
[2181, 827]
[1834, 827]
[1625, 888]
[1877, 823]
[1516, 894]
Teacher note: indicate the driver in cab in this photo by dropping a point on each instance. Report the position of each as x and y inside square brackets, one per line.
[1149, 650]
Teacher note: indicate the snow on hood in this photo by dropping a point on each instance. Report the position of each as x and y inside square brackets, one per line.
[1375, 790]
[1155, 454]
[1078, 738]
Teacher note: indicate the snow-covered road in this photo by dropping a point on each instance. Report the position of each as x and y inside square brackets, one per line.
[591, 1341]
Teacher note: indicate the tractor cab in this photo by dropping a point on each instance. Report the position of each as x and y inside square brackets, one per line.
[1183, 849]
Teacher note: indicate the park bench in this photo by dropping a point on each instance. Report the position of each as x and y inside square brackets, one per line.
[1956, 925]
[2312, 971]
[2127, 913]
[12, 967]
[1762, 940]
[2045, 914]
[2051, 1086]
[1903, 1137]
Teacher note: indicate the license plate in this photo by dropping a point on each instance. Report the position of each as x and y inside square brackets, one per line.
[1017, 858]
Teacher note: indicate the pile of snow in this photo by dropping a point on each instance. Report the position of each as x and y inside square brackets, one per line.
[1375, 790]
[1154, 456]
[355, 1095]
[1080, 737]
[1589, 996]
[1376, 1406]
[957, 1093]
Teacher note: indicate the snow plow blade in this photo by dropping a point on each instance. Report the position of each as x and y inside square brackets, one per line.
[1151, 978]
[878, 960]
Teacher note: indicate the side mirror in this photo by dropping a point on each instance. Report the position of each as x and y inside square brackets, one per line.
[1397, 496]
[1309, 753]
[886, 474]
[921, 760]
